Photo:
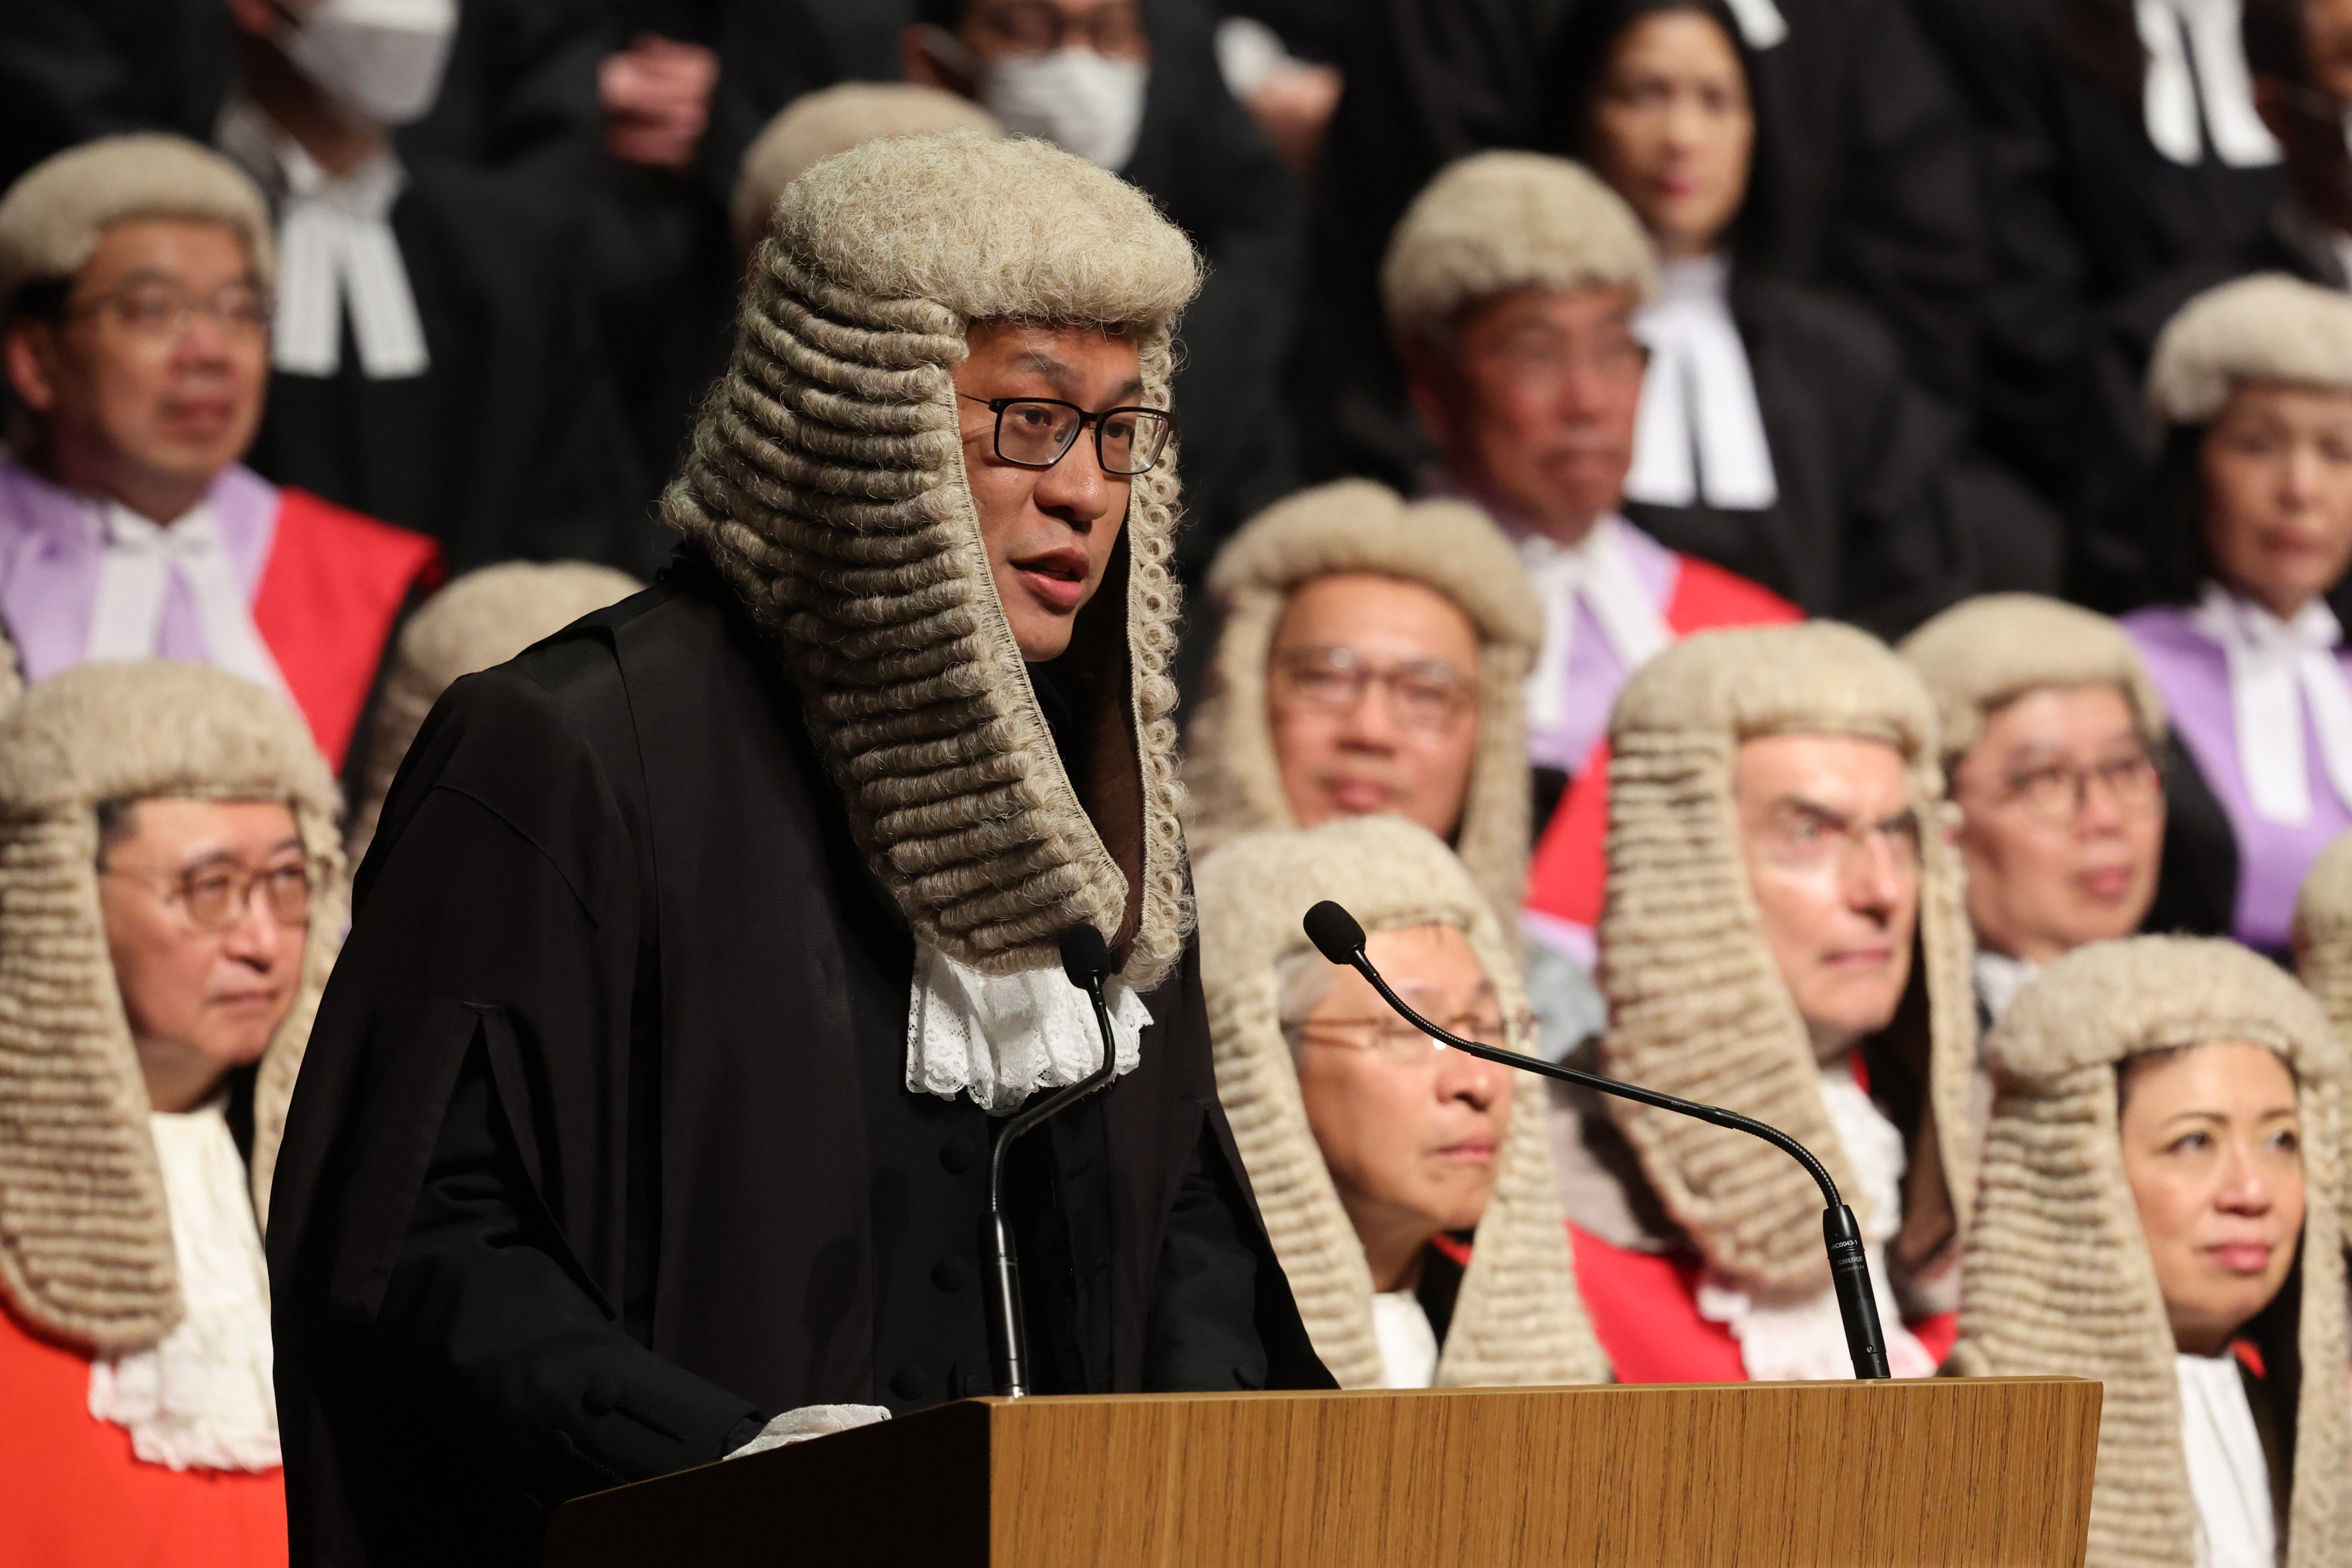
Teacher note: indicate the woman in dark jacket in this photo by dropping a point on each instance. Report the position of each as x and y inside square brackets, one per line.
[1780, 435]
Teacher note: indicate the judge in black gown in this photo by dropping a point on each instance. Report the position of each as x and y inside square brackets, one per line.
[1779, 434]
[1879, 201]
[2120, 141]
[437, 353]
[650, 1104]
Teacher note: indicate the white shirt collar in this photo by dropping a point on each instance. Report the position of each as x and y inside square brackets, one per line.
[1700, 433]
[2280, 671]
[1999, 978]
[336, 251]
[2196, 88]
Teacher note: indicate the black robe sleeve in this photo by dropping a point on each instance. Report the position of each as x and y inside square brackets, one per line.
[439, 1333]
[1202, 1335]
[501, 1328]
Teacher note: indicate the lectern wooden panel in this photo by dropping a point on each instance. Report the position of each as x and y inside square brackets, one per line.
[1957, 1472]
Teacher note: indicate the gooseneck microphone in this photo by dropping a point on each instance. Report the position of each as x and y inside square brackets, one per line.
[1336, 935]
[1085, 959]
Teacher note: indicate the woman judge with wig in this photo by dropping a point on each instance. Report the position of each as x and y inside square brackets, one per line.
[2157, 1208]
[1407, 1189]
[2251, 527]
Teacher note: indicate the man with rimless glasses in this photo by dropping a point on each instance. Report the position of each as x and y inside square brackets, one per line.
[135, 276]
[2050, 732]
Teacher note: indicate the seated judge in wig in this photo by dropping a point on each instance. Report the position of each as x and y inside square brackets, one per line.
[1511, 287]
[2158, 1210]
[135, 277]
[1780, 435]
[792, 837]
[170, 899]
[1784, 936]
[2253, 526]
[1372, 655]
[2052, 735]
[1408, 1188]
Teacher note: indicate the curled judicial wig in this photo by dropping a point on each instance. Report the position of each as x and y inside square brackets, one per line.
[817, 125]
[2057, 1277]
[1696, 1004]
[2268, 327]
[483, 618]
[1357, 526]
[2323, 950]
[1985, 653]
[826, 479]
[52, 219]
[1519, 1319]
[85, 1237]
[1493, 222]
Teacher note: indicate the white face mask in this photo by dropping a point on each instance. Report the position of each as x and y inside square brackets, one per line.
[1078, 99]
[382, 60]
[1075, 98]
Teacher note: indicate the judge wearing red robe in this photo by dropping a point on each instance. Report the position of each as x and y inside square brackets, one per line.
[1511, 287]
[134, 288]
[171, 897]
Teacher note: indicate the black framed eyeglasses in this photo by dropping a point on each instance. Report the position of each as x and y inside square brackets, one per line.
[1038, 432]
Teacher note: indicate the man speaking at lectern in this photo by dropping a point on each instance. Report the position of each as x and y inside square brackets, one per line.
[650, 1106]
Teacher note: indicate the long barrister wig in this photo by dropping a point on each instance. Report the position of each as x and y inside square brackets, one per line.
[84, 1235]
[1519, 1319]
[826, 481]
[1697, 1007]
[2323, 948]
[1356, 526]
[2057, 1279]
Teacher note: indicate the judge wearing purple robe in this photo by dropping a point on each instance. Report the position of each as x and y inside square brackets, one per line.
[2252, 529]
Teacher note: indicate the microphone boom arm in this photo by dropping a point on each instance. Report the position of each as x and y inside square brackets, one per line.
[1084, 960]
[1849, 1262]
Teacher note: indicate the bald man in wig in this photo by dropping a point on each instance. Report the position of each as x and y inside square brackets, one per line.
[703, 948]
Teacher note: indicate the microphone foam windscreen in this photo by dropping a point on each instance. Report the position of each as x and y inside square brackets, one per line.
[1334, 933]
[1086, 957]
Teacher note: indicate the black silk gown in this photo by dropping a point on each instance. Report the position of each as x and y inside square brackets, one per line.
[602, 1153]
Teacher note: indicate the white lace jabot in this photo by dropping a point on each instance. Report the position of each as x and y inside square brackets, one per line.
[201, 1398]
[1002, 1037]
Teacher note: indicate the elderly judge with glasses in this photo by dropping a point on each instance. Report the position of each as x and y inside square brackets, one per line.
[169, 901]
[1408, 1188]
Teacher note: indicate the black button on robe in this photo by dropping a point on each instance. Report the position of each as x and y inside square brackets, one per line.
[598, 1158]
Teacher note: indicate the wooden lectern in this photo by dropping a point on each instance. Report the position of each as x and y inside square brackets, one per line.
[1952, 1472]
